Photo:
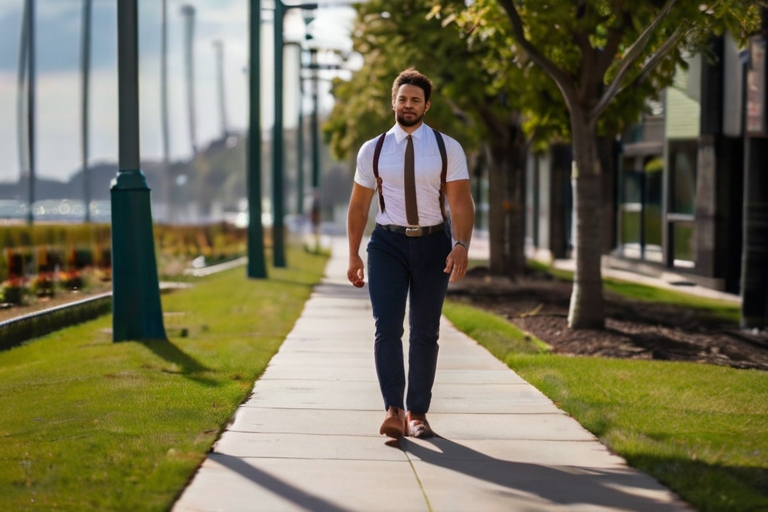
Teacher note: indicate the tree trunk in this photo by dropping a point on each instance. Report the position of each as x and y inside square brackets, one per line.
[497, 188]
[586, 307]
[506, 194]
[514, 264]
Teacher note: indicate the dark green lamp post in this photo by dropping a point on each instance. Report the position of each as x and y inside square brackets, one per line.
[278, 228]
[256, 265]
[137, 313]
[300, 144]
[85, 62]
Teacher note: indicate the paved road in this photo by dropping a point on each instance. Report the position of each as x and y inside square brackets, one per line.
[307, 439]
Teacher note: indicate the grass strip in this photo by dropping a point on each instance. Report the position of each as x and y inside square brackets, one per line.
[723, 310]
[702, 430]
[87, 424]
[498, 335]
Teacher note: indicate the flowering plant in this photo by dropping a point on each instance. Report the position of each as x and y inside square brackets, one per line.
[14, 290]
[72, 280]
[43, 285]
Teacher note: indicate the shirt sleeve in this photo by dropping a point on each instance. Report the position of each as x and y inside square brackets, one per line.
[364, 172]
[457, 160]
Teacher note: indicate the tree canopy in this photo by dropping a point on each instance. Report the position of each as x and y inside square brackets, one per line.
[605, 55]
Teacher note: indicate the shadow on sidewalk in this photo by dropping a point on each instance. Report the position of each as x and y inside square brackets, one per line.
[279, 487]
[564, 485]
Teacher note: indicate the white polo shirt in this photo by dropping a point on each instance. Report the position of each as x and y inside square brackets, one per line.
[428, 166]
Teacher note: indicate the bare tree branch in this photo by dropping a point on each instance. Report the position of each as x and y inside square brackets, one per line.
[630, 56]
[560, 77]
[611, 46]
[654, 61]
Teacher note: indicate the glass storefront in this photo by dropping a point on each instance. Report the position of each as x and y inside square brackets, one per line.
[640, 207]
[682, 203]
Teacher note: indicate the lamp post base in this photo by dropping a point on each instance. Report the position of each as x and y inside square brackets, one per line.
[136, 308]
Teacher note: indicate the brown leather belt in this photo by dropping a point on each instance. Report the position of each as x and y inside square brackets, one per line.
[416, 231]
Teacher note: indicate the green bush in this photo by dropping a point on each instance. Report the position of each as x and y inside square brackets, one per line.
[14, 291]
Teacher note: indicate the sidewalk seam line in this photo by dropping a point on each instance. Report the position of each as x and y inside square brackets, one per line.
[418, 481]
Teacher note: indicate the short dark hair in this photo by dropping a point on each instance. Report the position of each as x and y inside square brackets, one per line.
[412, 77]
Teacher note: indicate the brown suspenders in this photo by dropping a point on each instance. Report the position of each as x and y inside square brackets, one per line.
[443, 172]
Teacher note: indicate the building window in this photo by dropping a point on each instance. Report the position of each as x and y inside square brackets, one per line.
[640, 209]
[682, 203]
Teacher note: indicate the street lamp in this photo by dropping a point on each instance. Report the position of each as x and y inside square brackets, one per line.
[137, 313]
[27, 69]
[278, 232]
[278, 229]
[188, 11]
[299, 131]
[86, 73]
[256, 268]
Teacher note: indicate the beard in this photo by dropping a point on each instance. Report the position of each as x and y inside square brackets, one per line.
[402, 121]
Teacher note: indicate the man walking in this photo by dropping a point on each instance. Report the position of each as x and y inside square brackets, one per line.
[418, 245]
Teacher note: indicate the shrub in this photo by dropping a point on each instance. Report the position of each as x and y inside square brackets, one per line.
[14, 291]
[43, 285]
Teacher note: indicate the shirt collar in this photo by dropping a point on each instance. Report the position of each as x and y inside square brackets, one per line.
[401, 134]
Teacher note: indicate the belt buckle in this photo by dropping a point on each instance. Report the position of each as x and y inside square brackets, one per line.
[414, 231]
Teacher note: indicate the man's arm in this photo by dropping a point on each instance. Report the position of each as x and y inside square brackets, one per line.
[459, 197]
[357, 218]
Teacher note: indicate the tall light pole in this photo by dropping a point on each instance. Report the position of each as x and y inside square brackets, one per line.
[136, 309]
[218, 47]
[278, 229]
[315, 149]
[31, 110]
[189, 45]
[164, 113]
[22, 112]
[86, 76]
[299, 130]
[300, 146]
[256, 267]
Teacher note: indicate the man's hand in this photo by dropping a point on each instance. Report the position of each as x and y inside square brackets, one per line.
[356, 271]
[456, 263]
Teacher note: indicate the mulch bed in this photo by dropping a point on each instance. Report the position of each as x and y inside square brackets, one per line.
[538, 304]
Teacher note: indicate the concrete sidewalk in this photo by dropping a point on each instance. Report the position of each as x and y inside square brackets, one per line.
[308, 438]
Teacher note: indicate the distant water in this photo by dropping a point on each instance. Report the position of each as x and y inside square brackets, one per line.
[55, 210]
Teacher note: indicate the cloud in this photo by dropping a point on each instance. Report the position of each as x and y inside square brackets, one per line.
[58, 36]
[58, 50]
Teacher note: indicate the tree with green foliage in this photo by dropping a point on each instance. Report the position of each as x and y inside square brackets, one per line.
[477, 100]
[604, 56]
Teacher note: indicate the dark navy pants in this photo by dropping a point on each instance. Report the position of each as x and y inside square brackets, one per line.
[400, 268]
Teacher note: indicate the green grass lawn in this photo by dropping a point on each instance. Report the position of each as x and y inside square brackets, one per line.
[87, 424]
[702, 430]
[723, 310]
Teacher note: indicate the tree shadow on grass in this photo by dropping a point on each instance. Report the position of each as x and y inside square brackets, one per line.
[189, 367]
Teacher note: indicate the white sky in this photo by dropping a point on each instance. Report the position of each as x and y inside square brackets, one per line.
[58, 77]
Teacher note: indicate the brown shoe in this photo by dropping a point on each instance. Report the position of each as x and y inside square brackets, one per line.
[394, 423]
[418, 426]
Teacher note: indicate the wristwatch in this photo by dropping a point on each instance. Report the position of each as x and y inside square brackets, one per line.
[459, 242]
